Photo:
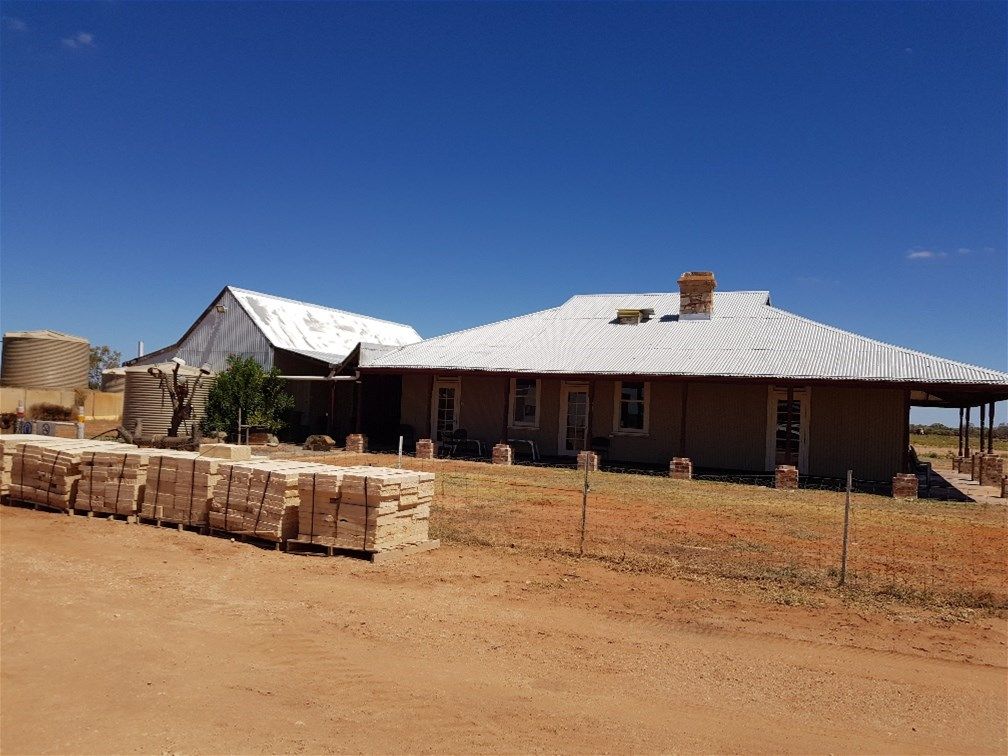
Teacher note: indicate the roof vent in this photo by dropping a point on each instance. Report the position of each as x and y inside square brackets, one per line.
[696, 295]
[633, 316]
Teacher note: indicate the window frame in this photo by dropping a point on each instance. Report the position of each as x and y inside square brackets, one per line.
[512, 397]
[804, 395]
[455, 383]
[617, 393]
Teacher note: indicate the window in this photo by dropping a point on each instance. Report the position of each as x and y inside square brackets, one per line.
[525, 402]
[631, 408]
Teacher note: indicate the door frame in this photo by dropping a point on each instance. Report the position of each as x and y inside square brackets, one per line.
[567, 387]
[455, 383]
[804, 395]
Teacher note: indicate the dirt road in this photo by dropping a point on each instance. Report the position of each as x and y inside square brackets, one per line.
[126, 638]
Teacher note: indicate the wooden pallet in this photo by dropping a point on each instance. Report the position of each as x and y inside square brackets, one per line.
[130, 518]
[37, 506]
[247, 537]
[161, 522]
[298, 546]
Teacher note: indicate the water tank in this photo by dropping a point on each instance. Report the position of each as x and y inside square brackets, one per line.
[146, 401]
[44, 359]
[113, 380]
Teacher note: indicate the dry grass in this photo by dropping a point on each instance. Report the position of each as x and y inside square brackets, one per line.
[935, 441]
[940, 451]
[919, 552]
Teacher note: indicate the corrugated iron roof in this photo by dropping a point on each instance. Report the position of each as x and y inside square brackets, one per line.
[44, 334]
[745, 337]
[371, 352]
[322, 333]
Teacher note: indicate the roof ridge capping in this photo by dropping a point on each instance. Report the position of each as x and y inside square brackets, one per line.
[670, 305]
[664, 293]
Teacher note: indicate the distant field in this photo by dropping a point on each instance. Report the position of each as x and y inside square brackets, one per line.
[952, 442]
[940, 451]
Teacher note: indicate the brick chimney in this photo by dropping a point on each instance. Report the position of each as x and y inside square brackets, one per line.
[696, 295]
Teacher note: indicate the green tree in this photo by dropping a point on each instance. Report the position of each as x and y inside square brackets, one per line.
[245, 386]
[102, 358]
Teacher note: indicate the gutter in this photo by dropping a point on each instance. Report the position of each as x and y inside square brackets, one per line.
[330, 377]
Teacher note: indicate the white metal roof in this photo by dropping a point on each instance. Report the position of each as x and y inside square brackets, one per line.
[322, 333]
[745, 337]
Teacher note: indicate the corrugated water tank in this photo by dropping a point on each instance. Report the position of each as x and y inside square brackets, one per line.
[44, 359]
[146, 401]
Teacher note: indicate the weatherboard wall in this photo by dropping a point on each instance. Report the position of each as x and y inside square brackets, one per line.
[856, 429]
[726, 426]
[726, 423]
[414, 403]
[660, 443]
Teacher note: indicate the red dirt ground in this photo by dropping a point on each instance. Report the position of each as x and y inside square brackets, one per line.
[127, 638]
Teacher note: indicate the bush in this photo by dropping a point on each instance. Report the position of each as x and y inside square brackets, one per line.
[245, 386]
[46, 411]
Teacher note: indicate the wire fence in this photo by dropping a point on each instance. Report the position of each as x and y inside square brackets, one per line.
[725, 526]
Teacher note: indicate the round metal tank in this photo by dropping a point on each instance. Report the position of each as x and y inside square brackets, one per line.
[44, 359]
[145, 401]
[113, 380]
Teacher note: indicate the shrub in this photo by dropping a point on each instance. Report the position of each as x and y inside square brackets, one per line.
[46, 411]
[245, 386]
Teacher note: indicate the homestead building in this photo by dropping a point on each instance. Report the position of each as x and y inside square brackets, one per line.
[306, 342]
[723, 378]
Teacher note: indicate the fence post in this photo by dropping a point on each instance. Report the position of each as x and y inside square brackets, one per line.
[584, 508]
[846, 528]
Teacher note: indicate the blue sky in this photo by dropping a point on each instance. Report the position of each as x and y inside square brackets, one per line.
[449, 165]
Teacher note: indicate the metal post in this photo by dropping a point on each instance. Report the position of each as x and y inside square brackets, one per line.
[507, 403]
[682, 420]
[359, 385]
[790, 422]
[906, 432]
[584, 507]
[983, 419]
[846, 530]
[431, 428]
[966, 436]
[990, 430]
[960, 431]
[587, 451]
[332, 409]
[400, 452]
